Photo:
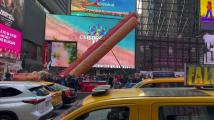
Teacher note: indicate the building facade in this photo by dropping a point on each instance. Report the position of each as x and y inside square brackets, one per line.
[167, 35]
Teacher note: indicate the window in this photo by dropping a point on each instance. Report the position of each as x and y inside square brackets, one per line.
[52, 88]
[121, 113]
[9, 92]
[39, 91]
[186, 113]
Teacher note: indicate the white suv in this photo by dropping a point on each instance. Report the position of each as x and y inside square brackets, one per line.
[24, 101]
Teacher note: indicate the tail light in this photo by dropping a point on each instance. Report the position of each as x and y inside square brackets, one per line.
[34, 101]
[68, 93]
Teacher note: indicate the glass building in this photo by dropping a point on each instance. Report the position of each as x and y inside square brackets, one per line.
[168, 35]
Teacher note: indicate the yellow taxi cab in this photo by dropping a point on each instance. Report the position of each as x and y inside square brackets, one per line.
[145, 104]
[161, 82]
[55, 92]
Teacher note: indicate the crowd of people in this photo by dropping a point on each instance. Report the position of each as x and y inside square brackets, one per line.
[115, 81]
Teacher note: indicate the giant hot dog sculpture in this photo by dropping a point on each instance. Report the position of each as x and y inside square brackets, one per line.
[102, 47]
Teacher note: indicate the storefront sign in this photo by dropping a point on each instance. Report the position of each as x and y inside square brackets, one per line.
[10, 42]
[199, 75]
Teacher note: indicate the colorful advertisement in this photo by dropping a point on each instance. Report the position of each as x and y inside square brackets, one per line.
[10, 43]
[11, 13]
[88, 30]
[199, 75]
[63, 53]
[99, 8]
[209, 49]
[206, 14]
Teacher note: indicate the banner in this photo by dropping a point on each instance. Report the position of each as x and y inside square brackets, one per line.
[207, 14]
[199, 75]
[97, 8]
[10, 43]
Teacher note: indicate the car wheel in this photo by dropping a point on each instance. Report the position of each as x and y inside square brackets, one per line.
[6, 117]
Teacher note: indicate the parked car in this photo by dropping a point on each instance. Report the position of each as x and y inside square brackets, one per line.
[69, 95]
[24, 101]
[56, 93]
[160, 83]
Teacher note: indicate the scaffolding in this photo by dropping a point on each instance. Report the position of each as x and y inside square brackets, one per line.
[167, 35]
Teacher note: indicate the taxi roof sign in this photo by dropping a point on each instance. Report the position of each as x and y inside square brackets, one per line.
[100, 90]
[163, 74]
[199, 75]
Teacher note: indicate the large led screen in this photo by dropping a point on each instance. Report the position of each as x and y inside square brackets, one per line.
[108, 8]
[11, 13]
[207, 14]
[86, 31]
[63, 53]
[209, 49]
[10, 43]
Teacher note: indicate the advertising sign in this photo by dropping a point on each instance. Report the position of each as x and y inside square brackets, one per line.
[11, 13]
[102, 7]
[87, 31]
[206, 14]
[10, 42]
[63, 53]
[209, 49]
[199, 75]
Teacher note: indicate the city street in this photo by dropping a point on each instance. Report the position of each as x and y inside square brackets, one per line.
[133, 59]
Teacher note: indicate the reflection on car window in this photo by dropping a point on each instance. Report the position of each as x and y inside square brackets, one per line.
[186, 113]
[121, 113]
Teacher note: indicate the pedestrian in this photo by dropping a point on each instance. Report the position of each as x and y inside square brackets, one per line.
[110, 81]
[75, 82]
[62, 80]
[7, 77]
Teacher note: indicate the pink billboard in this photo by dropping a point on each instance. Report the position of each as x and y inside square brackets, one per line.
[10, 42]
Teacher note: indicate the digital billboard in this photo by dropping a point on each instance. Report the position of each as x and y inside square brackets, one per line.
[11, 13]
[107, 8]
[199, 75]
[10, 43]
[206, 14]
[63, 53]
[209, 49]
[86, 31]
